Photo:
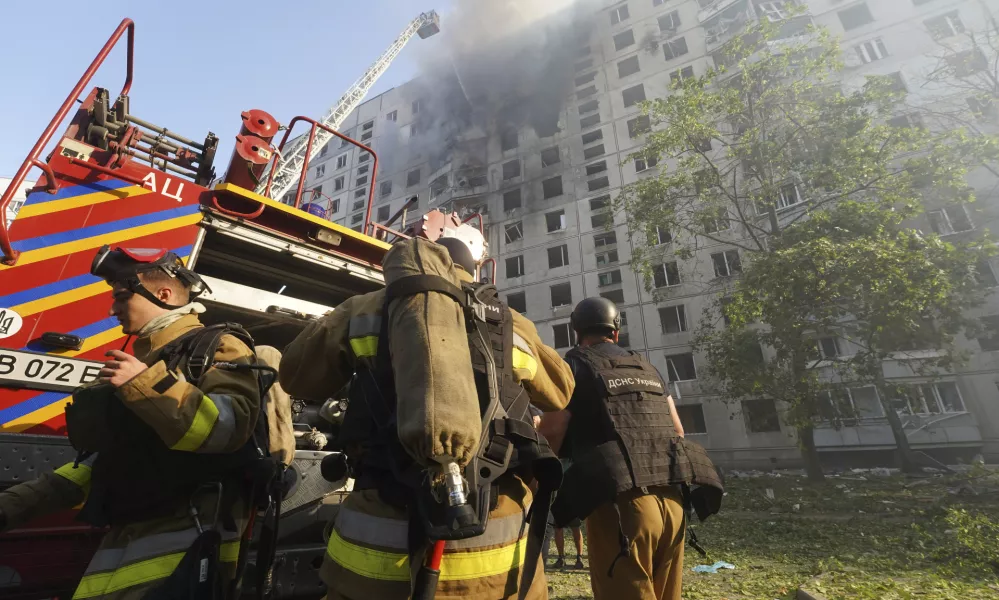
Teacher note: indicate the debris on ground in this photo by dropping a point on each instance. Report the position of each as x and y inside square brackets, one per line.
[713, 568]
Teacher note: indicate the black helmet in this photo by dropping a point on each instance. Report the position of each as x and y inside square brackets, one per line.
[123, 265]
[595, 314]
[460, 254]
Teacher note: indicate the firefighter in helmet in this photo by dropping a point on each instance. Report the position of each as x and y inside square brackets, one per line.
[372, 551]
[162, 452]
[632, 472]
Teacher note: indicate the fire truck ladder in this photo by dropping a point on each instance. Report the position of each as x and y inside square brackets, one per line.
[289, 166]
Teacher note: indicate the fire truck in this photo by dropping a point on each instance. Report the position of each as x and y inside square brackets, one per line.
[114, 178]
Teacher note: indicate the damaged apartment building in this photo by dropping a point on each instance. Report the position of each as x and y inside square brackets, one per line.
[541, 152]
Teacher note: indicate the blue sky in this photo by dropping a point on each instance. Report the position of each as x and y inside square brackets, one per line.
[198, 64]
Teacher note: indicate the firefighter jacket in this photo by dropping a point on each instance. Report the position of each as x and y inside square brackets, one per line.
[367, 555]
[621, 437]
[215, 419]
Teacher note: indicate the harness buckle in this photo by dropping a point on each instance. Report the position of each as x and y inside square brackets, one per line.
[192, 509]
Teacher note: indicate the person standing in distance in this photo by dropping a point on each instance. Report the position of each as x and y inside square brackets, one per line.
[632, 470]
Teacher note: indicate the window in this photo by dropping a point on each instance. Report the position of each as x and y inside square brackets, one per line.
[552, 187]
[666, 275]
[555, 221]
[561, 295]
[633, 95]
[511, 200]
[413, 178]
[615, 296]
[829, 347]
[324, 151]
[584, 79]
[586, 92]
[675, 48]
[909, 121]
[673, 319]
[511, 169]
[985, 275]
[338, 183]
[628, 66]
[692, 418]
[514, 232]
[680, 367]
[775, 11]
[509, 140]
[932, 398]
[563, 335]
[715, 220]
[344, 143]
[609, 278]
[643, 164]
[967, 63]
[598, 184]
[360, 193]
[761, 415]
[320, 170]
[550, 156]
[624, 39]
[515, 266]
[726, 263]
[558, 256]
[606, 258]
[619, 14]
[354, 220]
[669, 21]
[517, 302]
[590, 121]
[681, 75]
[639, 126]
[945, 26]
[583, 65]
[787, 196]
[341, 161]
[871, 50]
[593, 152]
[601, 220]
[368, 126]
[357, 205]
[595, 168]
[417, 106]
[990, 339]
[589, 107]
[661, 235]
[334, 207]
[364, 158]
[602, 240]
[383, 213]
[599, 203]
[386, 188]
[363, 170]
[392, 116]
[865, 403]
[951, 219]
[855, 16]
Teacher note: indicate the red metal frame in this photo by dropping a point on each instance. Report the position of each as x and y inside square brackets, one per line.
[9, 254]
[305, 166]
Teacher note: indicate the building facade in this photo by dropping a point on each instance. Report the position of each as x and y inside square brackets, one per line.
[19, 197]
[546, 201]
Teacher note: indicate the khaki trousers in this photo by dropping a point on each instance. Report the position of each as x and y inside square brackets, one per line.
[654, 523]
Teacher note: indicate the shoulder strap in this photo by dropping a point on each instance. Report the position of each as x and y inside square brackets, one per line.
[199, 347]
[416, 284]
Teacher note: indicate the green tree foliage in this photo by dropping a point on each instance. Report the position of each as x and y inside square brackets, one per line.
[813, 184]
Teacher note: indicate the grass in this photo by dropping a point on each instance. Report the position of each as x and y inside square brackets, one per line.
[856, 536]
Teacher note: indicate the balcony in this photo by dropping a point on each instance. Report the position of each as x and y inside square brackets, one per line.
[711, 8]
[726, 23]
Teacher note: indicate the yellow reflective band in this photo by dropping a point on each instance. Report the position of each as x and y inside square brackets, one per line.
[364, 346]
[79, 475]
[201, 426]
[523, 360]
[142, 572]
[455, 566]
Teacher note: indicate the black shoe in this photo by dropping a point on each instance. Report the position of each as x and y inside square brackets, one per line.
[559, 564]
[579, 563]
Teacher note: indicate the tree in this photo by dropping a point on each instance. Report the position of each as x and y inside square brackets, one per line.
[760, 152]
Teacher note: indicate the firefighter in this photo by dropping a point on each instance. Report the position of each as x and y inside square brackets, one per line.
[162, 460]
[371, 545]
[630, 464]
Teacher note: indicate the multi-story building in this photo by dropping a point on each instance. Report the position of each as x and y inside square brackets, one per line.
[19, 197]
[546, 201]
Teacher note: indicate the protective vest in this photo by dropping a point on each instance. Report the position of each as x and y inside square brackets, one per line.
[509, 445]
[134, 476]
[643, 450]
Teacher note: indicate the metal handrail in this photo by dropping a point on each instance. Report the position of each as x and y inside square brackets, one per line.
[33, 160]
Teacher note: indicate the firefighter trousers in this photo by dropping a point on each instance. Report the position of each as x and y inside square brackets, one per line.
[653, 570]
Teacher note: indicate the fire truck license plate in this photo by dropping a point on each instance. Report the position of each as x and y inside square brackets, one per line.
[44, 371]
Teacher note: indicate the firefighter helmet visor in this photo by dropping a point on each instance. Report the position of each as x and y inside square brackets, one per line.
[123, 265]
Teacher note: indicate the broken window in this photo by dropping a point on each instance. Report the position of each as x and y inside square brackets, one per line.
[598, 184]
[509, 140]
[760, 415]
[950, 219]
[511, 169]
[855, 16]
[601, 220]
[633, 95]
[563, 335]
[669, 22]
[606, 258]
[945, 25]
[775, 11]
[828, 347]
[593, 136]
[338, 183]
[514, 232]
[364, 158]
[322, 152]
[716, 220]
[595, 168]
[692, 418]
[584, 79]
[624, 39]
[726, 263]
[659, 236]
[600, 203]
[590, 121]
[357, 205]
[558, 256]
[334, 207]
[363, 170]
[628, 66]
[552, 187]
[675, 48]
[386, 188]
[515, 266]
[673, 318]
[383, 213]
[367, 136]
[438, 186]
[511, 200]
[787, 196]
[609, 278]
[517, 302]
[871, 50]
[555, 220]
[619, 14]
[602, 240]
[644, 164]
[589, 107]
[617, 297]
[681, 75]
[561, 295]
[666, 275]
[413, 178]
[680, 367]
[550, 156]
